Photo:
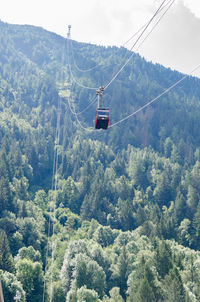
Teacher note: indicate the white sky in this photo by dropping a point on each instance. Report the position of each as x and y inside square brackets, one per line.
[175, 42]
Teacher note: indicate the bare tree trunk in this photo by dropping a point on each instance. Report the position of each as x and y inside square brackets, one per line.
[1, 293]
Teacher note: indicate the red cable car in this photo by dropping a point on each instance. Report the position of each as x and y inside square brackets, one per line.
[102, 118]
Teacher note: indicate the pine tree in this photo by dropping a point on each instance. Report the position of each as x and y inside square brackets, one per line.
[6, 260]
[196, 226]
[31, 276]
[163, 259]
[173, 285]
[145, 292]
[5, 195]
[121, 271]
[142, 284]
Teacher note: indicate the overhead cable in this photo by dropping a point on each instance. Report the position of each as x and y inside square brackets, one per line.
[128, 60]
[156, 98]
[77, 67]
[139, 30]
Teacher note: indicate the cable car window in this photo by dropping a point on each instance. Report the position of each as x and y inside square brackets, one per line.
[105, 113]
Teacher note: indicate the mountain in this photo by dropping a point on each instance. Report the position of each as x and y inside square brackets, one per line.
[95, 215]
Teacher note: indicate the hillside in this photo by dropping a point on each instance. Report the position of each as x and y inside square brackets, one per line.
[95, 216]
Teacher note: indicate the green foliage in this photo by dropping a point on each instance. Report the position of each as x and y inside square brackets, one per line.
[143, 285]
[29, 229]
[114, 296]
[70, 195]
[6, 260]
[73, 249]
[41, 199]
[174, 287]
[145, 292]
[58, 292]
[87, 272]
[80, 268]
[125, 198]
[104, 236]
[83, 295]
[28, 253]
[10, 286]
[31, 277]
[163, 258]
[121, 271]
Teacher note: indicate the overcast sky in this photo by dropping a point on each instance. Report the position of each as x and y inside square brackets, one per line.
[175, 42]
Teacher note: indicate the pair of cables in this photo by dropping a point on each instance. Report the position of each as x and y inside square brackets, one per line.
[51, 244]
[164, 7]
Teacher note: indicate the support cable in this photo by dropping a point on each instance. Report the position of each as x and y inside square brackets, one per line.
[54, 186]
[78, 83]
[162, 6]
[155, 99]
[128, 60]
[88, 106]
[71, 73]
[77, 67]
[87, 129]
[76, 116]
[139, 30]
[172, 2]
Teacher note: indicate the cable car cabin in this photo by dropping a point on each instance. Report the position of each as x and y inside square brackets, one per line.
[102, 118]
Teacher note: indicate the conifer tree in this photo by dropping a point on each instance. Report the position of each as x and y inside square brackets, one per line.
[163, 258]
[121, 270]
[173, 285]
[145, 292]
[6, 260]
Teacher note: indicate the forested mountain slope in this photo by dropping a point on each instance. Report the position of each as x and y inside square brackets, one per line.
[124, 225]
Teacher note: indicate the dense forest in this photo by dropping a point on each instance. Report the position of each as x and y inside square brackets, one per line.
[95, 216]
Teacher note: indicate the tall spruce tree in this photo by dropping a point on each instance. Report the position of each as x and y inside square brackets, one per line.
[6, 260]
[173, 286]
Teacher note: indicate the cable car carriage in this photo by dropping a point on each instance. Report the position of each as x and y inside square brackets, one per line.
[102, 118]
[102, 114]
